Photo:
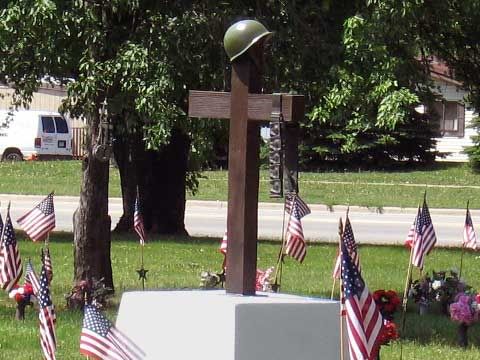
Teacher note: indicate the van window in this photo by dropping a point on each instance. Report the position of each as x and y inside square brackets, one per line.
[48, 125]
[61, 125]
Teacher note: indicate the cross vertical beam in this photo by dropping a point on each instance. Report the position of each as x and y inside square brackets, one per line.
[243, 178]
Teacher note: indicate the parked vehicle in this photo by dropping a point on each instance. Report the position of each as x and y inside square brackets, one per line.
[31, 135]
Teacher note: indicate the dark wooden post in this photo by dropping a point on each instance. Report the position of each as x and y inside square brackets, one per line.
[243, 176]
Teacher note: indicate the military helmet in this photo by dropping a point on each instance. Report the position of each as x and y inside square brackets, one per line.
[241, 36]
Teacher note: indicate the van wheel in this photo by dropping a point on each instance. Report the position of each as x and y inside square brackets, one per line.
[12, 155]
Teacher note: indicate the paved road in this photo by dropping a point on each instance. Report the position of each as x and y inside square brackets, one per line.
[208, 218]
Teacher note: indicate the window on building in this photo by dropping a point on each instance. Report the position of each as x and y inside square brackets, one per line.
[452, 117]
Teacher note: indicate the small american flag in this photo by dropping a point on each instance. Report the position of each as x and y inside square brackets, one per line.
[138, 222]
[223, 249]
[100, 339]
[411, 233]
[10, 262]
[1, 225]
[296, 246]
[39, 221]
[425, 238]
[349, 240]
[47, 261]
[469, 235]
[292, 201]
[364, 321]
[32, 278]
[46, 315]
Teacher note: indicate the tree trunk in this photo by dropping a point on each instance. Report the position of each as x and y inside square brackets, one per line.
[91, 222]
[163, 192]
[160, 177]
[124, 149]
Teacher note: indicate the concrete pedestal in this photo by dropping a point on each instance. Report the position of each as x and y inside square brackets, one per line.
[212, 325]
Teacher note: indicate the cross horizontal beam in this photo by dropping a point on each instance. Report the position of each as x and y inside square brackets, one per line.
[216, 104]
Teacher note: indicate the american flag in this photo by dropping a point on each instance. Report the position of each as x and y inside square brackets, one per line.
[47, 261]
[138, 222]
[10, 262]
[292, 200]
[32, 278]
[100, 339]
[223, 249]
[39, 221]
[349, 240]
[364, 321]
[469, 235]
[411, 233]
[296, 246]
[46, 315]
[1, 225]
[425, 238]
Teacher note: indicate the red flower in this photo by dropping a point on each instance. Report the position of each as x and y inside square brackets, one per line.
[389, 332]
[387, 301]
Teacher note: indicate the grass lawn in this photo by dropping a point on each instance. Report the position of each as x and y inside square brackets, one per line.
[448, 185]
[177, 263]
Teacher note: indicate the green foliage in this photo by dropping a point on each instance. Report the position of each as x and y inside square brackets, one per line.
[474, 151]
[447, 29]
[368, 116]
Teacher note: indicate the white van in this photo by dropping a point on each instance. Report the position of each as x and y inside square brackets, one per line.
[32, 135]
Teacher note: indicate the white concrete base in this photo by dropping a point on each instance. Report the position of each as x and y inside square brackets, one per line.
[212, 325]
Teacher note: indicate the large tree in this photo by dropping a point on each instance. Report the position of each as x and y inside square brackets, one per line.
[143, 57]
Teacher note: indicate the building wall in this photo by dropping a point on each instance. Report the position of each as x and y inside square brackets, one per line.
[453, 144]
[41, 101]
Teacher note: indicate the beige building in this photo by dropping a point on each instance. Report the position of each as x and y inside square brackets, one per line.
[47, 98]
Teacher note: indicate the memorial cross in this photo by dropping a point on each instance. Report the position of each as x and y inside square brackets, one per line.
[246, 109]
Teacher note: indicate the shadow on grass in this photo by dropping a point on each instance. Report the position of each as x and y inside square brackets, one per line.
[435, 327]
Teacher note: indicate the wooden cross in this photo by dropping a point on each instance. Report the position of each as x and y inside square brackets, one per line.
[246, 109]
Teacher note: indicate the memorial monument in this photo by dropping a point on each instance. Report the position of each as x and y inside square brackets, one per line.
[236, 324]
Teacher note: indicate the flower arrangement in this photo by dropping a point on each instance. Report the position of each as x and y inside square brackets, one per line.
[209, 280]
[263, 280]
[90, 291]
[388, 303]
[442, 287]
[466, 309]
[22, 294]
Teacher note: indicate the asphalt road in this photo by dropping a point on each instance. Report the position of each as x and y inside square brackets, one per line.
[208, 218]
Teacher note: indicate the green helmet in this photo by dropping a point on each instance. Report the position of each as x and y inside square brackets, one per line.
[241, 36]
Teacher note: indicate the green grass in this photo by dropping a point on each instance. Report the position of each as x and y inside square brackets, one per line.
[448, 185]
[177, 263]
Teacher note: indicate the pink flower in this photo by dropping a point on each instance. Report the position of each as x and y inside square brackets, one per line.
[461, 311]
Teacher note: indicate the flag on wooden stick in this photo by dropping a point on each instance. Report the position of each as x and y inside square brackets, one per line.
[425, 238]
[138, 222]
[411, 233]
[48, 340]
[295, 246]
[292, 201]
[469, 235]
[350, 245]
[10, 262]
[223, 249]
[32, 278]
[39, 221]
[47, 261]
[100, 339]
[364, 321]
